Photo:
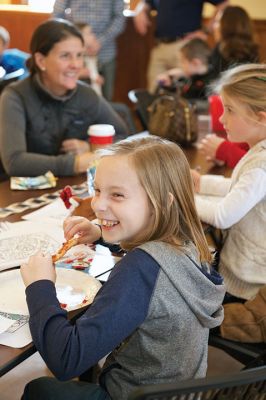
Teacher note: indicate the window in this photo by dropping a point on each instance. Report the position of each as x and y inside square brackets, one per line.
[42, 5]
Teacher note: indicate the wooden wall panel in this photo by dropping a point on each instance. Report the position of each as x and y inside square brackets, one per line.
[21, 25]
[132, 60]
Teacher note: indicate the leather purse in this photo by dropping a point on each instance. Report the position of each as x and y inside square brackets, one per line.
[174, 118]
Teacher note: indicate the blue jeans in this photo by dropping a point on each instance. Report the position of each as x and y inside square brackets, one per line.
[52, 389]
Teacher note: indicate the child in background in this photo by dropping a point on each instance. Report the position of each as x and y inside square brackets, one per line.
[195, 72]
[11, 59]
[233, 33]
[155, 311]
[242, 212]
[90, 70]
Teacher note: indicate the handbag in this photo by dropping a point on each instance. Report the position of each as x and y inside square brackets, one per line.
[174, 118]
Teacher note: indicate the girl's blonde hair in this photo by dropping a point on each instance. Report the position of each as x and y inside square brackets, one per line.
[164, 173]
[245, 84]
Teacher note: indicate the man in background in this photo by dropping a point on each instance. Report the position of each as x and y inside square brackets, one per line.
[176, 20]
[107, 21]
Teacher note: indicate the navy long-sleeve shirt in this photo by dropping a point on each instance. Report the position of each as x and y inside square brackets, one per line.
[176, 18]
[119, 307]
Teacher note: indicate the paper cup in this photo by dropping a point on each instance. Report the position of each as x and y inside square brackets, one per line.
[216, 110]
[100, 135]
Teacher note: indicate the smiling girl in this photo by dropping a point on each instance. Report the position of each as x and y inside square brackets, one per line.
[242, 212]
[155, 311]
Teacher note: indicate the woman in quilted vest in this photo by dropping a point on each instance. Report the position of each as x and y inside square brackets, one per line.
[241, 213]
[44, 118]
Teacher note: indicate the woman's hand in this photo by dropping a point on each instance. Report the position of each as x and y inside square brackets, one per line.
[195, 175]
[75, 146]
[209, 145]
[38, 267]
[83, 161]
[93, 46]
[87, 231]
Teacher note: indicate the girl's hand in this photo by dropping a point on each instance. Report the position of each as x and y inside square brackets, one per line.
[75, 146]
[196, 179]
[99, 79]
[87, 231]
[39, 267]
[93, 46]
[209, 145]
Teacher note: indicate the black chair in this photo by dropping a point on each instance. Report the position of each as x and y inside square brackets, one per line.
[245, 385]
[249, 354]
[141, 99]
[12, 77]
[125, 113]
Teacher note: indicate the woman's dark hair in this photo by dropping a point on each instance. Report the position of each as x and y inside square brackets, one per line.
[237, 38]
[47, 35]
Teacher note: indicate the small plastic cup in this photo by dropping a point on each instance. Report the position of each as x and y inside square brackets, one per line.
[216, 110]
[100, 136]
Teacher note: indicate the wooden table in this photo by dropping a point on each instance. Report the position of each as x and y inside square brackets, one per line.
[8, 196]
[10, 357]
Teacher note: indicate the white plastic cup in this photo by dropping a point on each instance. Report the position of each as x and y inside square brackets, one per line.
[100, 136]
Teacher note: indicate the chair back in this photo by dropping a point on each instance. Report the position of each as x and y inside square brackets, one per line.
[125, 113]
[142, 99]
[245, 385]
[250, 354]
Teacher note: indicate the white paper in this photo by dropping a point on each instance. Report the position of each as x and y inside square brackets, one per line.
[5, 323]
[24, 239]
[55, 213]
[17, 339]
[102, 261]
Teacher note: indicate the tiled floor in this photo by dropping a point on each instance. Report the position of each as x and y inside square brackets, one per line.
[12, 384]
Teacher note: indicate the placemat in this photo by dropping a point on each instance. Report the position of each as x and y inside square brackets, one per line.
[35, 202]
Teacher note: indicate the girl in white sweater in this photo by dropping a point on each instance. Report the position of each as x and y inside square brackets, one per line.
[242, 211]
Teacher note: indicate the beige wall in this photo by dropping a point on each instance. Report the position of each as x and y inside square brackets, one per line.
[255, 8]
